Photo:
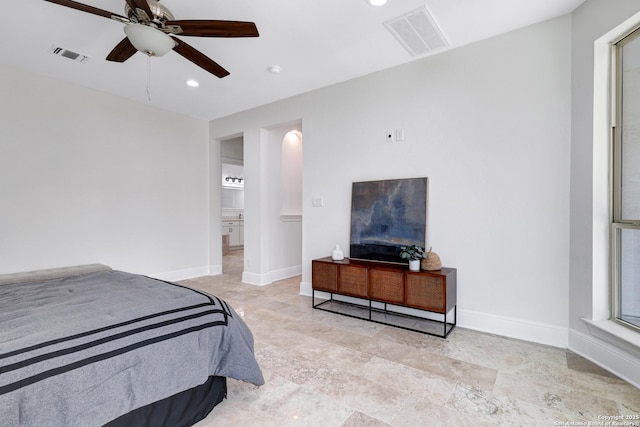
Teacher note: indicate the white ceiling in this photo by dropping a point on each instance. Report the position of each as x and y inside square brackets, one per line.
[316, 43]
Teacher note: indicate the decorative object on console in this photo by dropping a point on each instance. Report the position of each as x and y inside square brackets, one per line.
[414, 254]
[386, 215]
[431, 261]
[337, 254]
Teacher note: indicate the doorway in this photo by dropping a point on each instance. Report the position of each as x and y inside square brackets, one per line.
[269, 248]
[232, 204]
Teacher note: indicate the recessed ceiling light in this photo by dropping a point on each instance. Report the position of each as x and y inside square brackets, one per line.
[192, 83]
[274, 69]
[376, 2]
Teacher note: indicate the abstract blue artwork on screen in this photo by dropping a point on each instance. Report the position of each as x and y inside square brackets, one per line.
[386, 215]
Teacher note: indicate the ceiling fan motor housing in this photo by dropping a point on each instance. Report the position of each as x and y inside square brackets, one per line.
[160, 13]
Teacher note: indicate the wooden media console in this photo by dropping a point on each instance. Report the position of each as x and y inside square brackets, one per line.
[387, 293]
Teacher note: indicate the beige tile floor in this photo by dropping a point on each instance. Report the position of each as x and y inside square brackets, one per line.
[323, 369]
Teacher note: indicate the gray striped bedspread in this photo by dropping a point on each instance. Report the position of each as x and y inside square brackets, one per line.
[81, 351]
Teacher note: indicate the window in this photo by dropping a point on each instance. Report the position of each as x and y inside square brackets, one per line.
[625, 225]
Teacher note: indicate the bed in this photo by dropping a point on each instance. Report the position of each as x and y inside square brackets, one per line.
[91, 346]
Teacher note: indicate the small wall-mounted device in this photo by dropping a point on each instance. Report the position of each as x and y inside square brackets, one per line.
[394, 135]
[389, 136]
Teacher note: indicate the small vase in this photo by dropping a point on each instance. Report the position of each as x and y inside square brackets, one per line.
[432, 262]
[337, 254]
[414, 264]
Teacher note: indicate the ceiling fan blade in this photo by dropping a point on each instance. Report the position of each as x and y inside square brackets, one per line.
[141, 4]
[214, 28]
[200, 59]
[123, 51]
[132, 4]
[86, 8]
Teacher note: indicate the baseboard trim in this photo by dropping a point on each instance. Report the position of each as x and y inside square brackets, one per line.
[500, 325]
[306, 289]
[285, 273]
[270, 277]
[188, 273]
[215, 270]
[256, 279]
[606, 356]
[526, 330]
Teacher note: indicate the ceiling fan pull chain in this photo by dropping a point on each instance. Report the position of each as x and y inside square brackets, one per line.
[149, 77]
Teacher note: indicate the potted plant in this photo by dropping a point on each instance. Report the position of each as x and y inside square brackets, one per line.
[414, 254]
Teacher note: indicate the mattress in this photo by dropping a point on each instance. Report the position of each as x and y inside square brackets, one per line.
[83, 350]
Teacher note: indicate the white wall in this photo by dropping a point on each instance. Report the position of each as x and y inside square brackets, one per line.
[88, 177]
[489, 124]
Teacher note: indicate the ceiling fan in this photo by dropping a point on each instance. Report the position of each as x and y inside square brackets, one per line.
[149, 24]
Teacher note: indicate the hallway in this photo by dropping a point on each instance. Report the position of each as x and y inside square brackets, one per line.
[233, 262]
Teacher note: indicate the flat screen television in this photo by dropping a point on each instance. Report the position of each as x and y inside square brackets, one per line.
[386, 215]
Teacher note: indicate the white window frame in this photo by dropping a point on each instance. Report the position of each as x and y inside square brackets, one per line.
[618, 223]
[599, 322]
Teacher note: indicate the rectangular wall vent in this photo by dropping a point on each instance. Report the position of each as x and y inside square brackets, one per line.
[417, 31]
[60, 51]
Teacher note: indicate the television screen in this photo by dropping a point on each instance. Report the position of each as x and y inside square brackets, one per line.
[386, 215]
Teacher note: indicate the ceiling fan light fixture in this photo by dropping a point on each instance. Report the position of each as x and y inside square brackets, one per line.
[149, 40]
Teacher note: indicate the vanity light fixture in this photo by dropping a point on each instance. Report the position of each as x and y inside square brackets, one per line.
[234, 179]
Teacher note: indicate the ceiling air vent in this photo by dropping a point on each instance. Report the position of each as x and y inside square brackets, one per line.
[60, 51]
[417, 31]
